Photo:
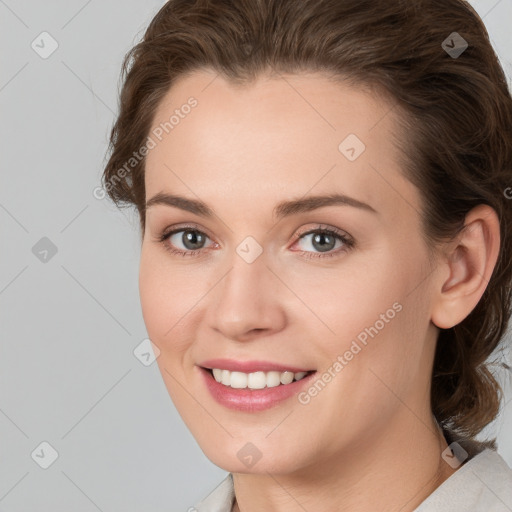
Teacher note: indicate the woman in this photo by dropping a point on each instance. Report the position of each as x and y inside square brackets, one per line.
[326, 245]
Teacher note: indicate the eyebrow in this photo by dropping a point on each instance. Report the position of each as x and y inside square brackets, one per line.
[282, 209]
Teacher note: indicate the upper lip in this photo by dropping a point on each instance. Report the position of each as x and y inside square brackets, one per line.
[250, 366]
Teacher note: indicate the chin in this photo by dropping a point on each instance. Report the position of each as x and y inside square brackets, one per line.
[248, 459]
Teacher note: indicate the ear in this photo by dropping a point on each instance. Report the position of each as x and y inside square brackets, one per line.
[466, 267]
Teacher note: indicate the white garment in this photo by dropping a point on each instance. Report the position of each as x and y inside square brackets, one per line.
[482, 484]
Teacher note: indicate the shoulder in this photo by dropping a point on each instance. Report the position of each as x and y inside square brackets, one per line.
[482, 484]
[220, 499]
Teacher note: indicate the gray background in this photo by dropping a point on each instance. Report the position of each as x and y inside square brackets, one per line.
[69, 326]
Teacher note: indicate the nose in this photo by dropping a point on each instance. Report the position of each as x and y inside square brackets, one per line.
[247, 303]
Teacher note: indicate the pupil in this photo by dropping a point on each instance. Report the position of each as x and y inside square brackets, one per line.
[324, 236]
[192, 237]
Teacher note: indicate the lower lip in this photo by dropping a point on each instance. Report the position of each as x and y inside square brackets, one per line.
[252, 400]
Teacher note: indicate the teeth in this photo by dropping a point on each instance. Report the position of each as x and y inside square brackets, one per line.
[256, 380]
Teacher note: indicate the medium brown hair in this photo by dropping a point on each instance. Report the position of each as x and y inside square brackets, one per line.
[455, 113]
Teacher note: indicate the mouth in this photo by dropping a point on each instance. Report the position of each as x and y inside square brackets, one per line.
[260, 386]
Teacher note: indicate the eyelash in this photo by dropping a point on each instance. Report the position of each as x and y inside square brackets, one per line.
[347, 242]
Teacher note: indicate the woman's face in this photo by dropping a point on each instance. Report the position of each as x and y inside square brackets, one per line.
[263, 289]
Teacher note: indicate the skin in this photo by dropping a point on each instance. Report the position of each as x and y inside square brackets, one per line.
[368, 440]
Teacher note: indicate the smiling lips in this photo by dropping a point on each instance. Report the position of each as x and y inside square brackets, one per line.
[252, 385]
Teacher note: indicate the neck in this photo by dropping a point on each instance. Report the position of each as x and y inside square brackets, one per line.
[397, 473]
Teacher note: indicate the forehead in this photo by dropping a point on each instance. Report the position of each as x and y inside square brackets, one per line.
[281, 135]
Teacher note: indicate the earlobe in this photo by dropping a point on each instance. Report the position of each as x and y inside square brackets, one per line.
[468, 263]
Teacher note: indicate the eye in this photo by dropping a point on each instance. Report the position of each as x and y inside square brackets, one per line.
[190, 238]
[324, 240]
[189, 241]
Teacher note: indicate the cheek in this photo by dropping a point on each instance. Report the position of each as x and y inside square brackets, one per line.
[353, 297]
[377, 314]
[151, 294]
[162, 299]
[171, 296]
[378, 360]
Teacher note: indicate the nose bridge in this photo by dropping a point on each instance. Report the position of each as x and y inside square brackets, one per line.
[244, 285]
[246, 298]
[248, 268]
